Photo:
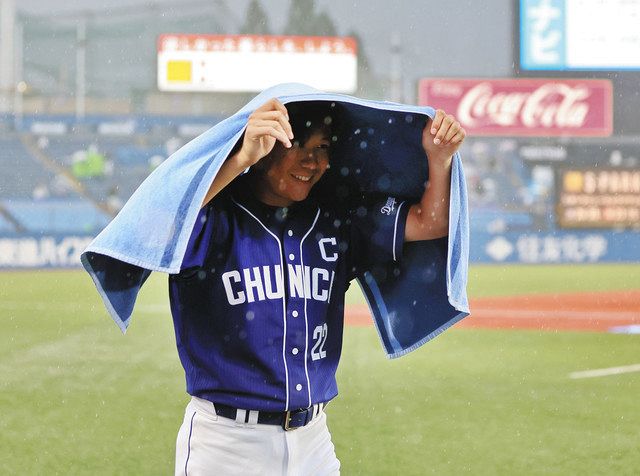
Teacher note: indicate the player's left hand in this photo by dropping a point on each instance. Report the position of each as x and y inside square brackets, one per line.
[442, 136]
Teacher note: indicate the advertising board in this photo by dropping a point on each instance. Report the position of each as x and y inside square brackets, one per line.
[524, 107]
[598, 197]
[574, 35]
[556, 247]
[48, 251]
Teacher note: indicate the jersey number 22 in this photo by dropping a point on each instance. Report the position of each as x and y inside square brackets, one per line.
[320, 336]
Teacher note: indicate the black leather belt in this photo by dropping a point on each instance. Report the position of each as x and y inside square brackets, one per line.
[287, 420]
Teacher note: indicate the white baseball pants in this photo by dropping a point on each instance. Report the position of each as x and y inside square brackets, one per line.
[211, 445]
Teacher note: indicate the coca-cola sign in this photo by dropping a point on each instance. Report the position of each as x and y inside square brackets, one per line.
[524, 107]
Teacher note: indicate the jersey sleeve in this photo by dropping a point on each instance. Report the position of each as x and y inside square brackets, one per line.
[206, 230]
[377, 233]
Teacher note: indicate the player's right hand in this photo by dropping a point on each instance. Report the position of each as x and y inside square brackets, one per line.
[266, 125]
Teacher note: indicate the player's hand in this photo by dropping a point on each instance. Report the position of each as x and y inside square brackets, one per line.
[442, 137]
[266, 125]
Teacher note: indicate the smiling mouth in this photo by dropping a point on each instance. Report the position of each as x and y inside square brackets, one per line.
[302, 178]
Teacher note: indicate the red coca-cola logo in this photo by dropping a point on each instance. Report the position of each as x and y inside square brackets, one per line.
[524, 107]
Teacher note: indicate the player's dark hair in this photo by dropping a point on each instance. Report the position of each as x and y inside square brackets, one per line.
[309, 117]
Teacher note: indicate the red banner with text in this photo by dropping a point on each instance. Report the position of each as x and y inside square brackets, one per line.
[524, 107]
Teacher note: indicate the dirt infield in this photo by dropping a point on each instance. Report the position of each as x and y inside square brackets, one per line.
[593, 311]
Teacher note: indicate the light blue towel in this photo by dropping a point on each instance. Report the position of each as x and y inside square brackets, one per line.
[423, 298]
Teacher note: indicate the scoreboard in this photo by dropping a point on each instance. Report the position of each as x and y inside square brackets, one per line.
[251, 63]
[594, 197]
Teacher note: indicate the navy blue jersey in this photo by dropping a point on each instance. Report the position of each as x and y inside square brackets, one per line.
[258, 306]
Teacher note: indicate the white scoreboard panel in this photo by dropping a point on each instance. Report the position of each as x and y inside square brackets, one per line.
[251, 63]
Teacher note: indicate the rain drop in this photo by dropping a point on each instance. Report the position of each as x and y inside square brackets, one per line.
[250, 315]
[384, 182]
[428, 275]
[281, 214]
[356, 132]
[363, 144]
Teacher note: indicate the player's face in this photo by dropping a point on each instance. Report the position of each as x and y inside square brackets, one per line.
[291, 173]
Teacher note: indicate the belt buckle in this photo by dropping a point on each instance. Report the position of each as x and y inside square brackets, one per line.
[287, 420]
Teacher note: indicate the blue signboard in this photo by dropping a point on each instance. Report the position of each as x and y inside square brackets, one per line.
[42, 251]
[579, 35]
[542, 34]
[555, 247]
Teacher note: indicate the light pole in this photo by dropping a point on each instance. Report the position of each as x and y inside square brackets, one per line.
[81, 53]
[7, 81]
[20, 85]
[396, 86]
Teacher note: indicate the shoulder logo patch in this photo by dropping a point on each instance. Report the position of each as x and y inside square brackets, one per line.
[389, 207]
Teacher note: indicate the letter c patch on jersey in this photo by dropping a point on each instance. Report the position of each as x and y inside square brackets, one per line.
[233, 298]
[323, 251]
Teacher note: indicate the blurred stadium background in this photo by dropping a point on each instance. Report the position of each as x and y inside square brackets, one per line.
[94, 95]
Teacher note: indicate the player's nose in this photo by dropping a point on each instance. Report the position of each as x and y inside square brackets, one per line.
[309, 160]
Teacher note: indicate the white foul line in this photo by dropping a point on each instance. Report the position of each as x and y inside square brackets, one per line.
[554, 314]
[605, 372]
[69, 306]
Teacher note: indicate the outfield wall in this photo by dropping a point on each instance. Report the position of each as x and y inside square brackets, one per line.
[63, 251]
[42, 251]
[591, 246]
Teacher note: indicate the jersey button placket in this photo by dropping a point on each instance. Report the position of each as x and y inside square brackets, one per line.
[295, 326]
[292, 257]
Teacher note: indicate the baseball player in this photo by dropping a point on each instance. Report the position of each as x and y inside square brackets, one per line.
[258, 305]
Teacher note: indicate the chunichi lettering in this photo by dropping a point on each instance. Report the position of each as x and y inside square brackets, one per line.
[260, 283]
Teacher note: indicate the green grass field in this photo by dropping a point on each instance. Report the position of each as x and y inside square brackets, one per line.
[76, 397]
